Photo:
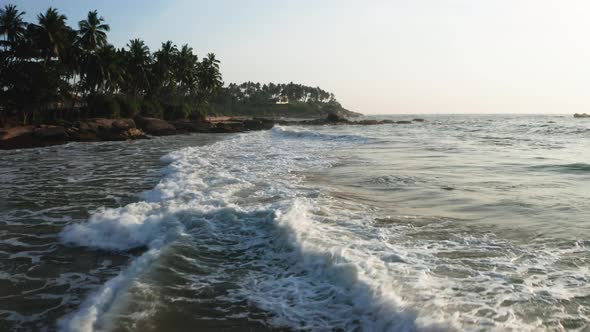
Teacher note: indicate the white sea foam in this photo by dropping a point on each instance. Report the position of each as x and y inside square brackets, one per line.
[323, 266]
[300, 133]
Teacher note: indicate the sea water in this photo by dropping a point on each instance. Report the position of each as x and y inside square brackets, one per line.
[458, 223]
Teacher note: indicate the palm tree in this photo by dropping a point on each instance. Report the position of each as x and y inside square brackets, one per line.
[186, 66]
[92, 36]
[164, 65]
[209, 75]
[138, 60]
[93, 32]
[52, 34]
[109, 69]
[12, 25]
[166, 53]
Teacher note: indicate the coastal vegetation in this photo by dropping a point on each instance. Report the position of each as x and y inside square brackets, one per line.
[52, 72]
[276, 100]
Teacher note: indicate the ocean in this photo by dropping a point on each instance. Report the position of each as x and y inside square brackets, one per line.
[458, 223]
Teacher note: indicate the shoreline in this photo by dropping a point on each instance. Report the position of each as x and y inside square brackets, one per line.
[104, 129]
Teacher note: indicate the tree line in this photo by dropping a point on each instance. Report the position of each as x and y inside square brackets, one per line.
[49, 71]
[260, 94]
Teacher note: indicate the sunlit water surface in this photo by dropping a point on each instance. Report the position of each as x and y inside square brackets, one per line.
[458, 223]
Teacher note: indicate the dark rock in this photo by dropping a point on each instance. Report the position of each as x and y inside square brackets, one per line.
[418, 120]
[184, 126]
[13, 132]
[100, 129]
[229, 127]
[581, 115]
[123, 124]
[156, 127]
[258, 124]
[368, 122]
[31, 136]
[335, 118]
[56, 133]
[133, 133]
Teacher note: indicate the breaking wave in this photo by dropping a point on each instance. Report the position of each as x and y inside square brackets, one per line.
[313, 264]
[295, 132]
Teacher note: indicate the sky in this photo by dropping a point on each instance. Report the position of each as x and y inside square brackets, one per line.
[377, 56]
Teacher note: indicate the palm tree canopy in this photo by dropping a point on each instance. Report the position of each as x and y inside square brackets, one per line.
[138, 62]
[209, 74]
[139, 51]
[163, 72]
[52, 33]
[11, 23]
[93, 32]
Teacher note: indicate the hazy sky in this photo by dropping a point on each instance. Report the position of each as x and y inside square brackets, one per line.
[411, 56]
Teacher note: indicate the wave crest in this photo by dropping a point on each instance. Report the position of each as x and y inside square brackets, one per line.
[295, 132]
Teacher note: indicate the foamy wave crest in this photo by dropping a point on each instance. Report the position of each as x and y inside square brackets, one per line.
[88, 315]
[136, 225]
[295, 132]
[313, 272]
[331, 290]
[185, 191]
[298, 254]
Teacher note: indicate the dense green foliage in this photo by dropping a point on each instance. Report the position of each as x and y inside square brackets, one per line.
[275, 100]
[256, 93]
[51, 70]
[100, 105]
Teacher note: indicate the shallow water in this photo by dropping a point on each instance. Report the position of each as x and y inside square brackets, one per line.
[459, 223]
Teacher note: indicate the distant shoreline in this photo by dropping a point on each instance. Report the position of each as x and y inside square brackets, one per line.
[102, 129]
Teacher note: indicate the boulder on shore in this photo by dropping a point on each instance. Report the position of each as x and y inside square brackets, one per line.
[89, 130]
[186, 126]
[101, 129]
[228, 127]
[154, 126]
[258, 124]
[32, 136]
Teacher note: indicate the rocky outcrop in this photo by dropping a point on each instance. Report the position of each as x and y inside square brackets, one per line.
[581, 115]
[50, 133]
[100, 129]
[155, 127]
[32, 136]
[258, 124]
[228, 125]
[90, 130]
[185, 126]
[334, 120]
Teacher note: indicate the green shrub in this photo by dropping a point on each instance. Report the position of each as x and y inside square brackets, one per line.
[177, 111]
[151, 109]
[103, 106]
[129, 107]
[200, 113]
